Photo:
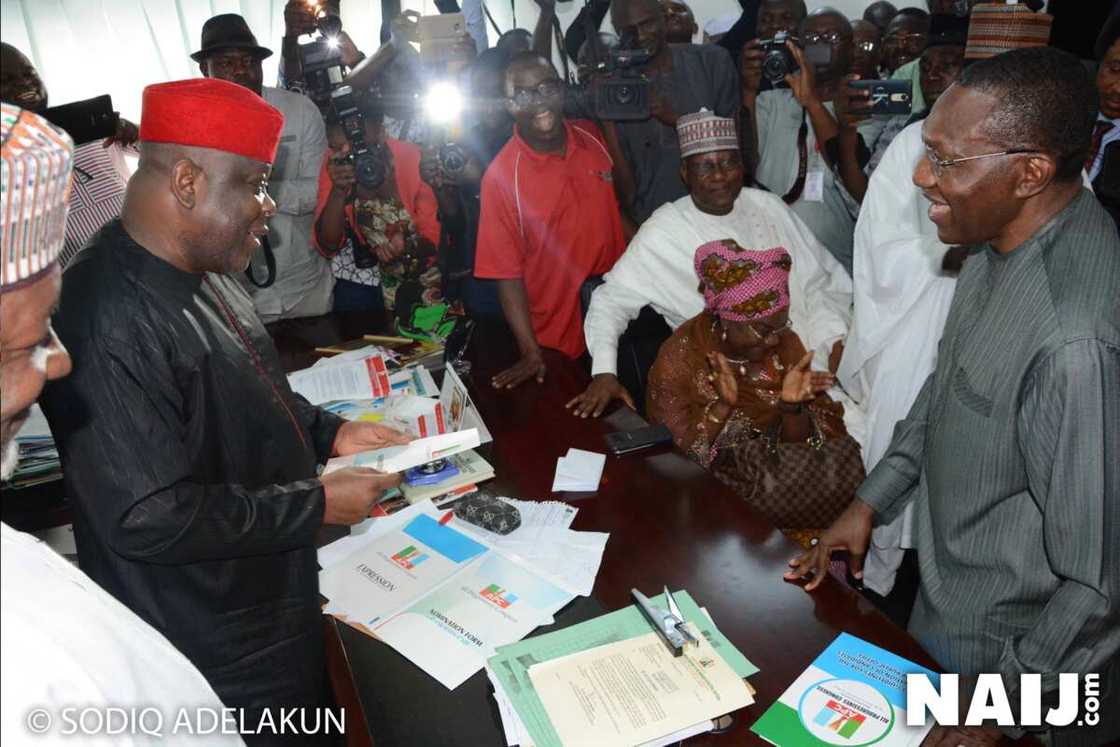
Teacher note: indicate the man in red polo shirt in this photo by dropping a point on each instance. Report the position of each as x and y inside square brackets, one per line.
[549, 218]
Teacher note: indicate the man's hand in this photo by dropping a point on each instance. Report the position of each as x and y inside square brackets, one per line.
[348, 51]
[341, 173]
[350, 494]
[126, 136]
[604, 388]
[750, 67]
[530, 366]
[357, 436]
[803, 385]
[390, 251]
[851, 532]
[851, 105]
[803, 83]
[298, 18]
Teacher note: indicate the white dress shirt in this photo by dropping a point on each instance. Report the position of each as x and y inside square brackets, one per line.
[657, 270]
[68, 644]
[303, 277]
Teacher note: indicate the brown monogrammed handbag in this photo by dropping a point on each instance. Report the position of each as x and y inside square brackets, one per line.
[797, 485]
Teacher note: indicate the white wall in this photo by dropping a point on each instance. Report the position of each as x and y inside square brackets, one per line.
[84, 48]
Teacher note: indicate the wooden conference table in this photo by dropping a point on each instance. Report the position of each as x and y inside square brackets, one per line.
[669, 523]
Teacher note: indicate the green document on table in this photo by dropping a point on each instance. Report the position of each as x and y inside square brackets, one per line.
[511, 663]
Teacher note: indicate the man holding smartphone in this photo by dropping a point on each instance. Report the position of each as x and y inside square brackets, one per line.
[864, 130]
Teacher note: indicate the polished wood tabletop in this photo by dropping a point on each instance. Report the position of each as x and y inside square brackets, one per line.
[670, 523]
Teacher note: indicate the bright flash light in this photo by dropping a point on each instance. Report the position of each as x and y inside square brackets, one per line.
[443, 103]
[332, 42]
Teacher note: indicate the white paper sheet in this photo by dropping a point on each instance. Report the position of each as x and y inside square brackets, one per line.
[579, 471]
[570, 559]
[361, 379]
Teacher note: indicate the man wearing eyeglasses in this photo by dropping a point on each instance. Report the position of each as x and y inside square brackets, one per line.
[657, 269]
[1008, 455]
[549, 219]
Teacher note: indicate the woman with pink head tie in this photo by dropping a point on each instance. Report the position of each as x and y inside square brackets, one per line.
[734, 386]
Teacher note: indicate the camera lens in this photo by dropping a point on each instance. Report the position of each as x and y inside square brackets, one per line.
[623, 95]
[369, 170]
[452, 158]
[774, 65]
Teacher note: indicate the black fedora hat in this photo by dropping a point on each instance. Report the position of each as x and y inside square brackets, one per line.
[228, 31]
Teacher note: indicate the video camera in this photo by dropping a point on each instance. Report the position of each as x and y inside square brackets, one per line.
[778, 61]
[619, 89]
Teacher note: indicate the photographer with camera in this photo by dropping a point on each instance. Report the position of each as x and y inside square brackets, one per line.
[305, 17]
[287, 277]
[376, 220]
[682, 78]
[454, 172]
[793, 125]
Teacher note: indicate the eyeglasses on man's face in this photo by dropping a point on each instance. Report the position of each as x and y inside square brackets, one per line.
[543, 91]
[832, 38]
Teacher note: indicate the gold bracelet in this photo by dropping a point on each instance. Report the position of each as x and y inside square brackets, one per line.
[708, 412]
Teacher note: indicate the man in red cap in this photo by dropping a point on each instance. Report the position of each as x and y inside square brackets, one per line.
[189, 462]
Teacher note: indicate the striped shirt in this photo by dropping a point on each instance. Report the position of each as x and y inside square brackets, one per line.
[1011, 458]
[96, 195]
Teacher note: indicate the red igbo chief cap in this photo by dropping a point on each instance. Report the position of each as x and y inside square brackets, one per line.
[211, 113]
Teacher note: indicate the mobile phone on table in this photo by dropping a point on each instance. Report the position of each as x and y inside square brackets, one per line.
[625, 442]
[887, 96]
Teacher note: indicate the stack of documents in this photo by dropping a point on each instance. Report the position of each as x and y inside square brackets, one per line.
[440, 597]
[579, 471]
[587, 684]
[38, 455]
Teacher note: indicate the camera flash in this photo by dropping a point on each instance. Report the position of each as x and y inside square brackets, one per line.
[332, 42]
[443, 103]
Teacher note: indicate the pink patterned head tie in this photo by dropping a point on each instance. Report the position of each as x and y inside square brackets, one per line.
[741, 285]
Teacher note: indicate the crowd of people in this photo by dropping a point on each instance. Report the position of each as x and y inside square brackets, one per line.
[895, 333]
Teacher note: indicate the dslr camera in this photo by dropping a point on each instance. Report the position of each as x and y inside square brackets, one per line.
[778, 62]
[321, 61]
[619, 89]
[369, 160]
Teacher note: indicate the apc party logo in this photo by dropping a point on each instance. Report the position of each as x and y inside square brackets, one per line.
[498, 595]
[409, 557]
[846, 712]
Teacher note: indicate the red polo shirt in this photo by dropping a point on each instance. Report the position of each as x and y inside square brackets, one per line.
[551, 220]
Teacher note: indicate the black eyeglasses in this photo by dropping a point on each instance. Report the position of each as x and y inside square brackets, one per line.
[546, 89]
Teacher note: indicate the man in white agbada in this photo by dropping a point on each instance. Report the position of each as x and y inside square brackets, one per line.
[901, 298]
[657, 267]
[66, 643]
